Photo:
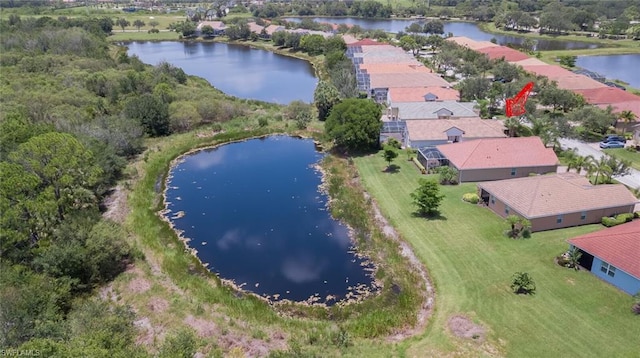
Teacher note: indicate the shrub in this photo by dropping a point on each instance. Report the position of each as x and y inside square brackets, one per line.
[617, 220]
[523, 284]
[472, 198]
[153, 31]
[263, 122]
[448, 175]
[392, 142]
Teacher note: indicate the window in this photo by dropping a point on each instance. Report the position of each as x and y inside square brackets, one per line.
[559, 219]
[583, 216]
[608, 269]
[506, 210]
[514, 171]
[493, 199]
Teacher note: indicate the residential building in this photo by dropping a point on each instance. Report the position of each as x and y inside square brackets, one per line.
[613, 255]
[499, 158]
[556, 201]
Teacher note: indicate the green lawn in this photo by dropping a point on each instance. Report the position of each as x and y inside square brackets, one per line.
[471, 263]
[620, 153]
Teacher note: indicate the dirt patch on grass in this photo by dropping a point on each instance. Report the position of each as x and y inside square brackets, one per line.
[202, 327]
[157, 304]
[116, 205]
[463, 327]
[251, 347]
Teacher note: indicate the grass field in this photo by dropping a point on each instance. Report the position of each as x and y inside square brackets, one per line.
[620, 153]
[471, 263]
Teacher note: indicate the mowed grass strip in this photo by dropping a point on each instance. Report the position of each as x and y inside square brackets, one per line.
[471, 263]
[621, 153]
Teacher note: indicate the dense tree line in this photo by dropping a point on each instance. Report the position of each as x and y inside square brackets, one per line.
[73, 110]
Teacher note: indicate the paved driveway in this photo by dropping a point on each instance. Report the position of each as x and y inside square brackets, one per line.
[631, 180]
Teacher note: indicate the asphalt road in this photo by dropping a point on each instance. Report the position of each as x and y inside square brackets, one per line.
[631, 180]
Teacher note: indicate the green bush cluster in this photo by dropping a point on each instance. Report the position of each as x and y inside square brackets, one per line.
[472, 198]
[609, 221]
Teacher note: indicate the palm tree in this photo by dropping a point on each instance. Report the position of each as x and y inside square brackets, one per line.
[580, 163]
[601, 167]
[626, 117]
[512, 124]
[574, 256]
[570, 156]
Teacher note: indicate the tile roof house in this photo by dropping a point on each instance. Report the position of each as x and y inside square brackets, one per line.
[432, 132]
[499, 158]
[471, 44]
[556, 201]
[218, 27]
[422, 94]
[565, 78]
[606, 95]
[613, 254]
[498, 52]
[416, 67]
[432, 110]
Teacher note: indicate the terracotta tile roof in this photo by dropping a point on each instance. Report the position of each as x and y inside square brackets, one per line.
[435, 129]
[271, 29]
[349, 39]
[214, 24]
[576, 82]
[471, 44]
[607, 95]
[395, 68]
[618, 246]
[545, 195]
[565, 78]
[633, 106]
[416, 94]
[254, 27]
[389, 80]
[507, 53]
[499, 153]
[531, 61]
[552, 72]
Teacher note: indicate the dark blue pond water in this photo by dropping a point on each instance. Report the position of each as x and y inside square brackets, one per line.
[254, 212]
[466, 29]
[236, 70]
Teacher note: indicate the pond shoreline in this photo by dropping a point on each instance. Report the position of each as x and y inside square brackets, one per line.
[322, 188]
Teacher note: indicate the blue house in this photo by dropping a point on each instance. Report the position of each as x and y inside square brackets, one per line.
[613, 254]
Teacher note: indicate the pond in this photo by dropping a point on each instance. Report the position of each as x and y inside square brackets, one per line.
[236, 70]
[458, 28]
[618, 67]
[255, 213]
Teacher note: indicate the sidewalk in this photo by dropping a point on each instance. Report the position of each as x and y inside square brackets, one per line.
[631, 180]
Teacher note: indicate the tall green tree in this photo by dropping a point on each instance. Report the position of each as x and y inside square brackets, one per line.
[389, 154]
[150, 112]
[427, 197]
[138, 24]
[64, 167]
[122, 22]
[325, 97]
[355, 124]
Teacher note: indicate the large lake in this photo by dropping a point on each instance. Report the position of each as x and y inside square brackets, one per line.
[236, 70]
[255, 214]
[621, 67]
[466, 29]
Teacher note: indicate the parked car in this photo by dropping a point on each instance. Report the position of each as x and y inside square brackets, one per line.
[612, 144]
[614, 138]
